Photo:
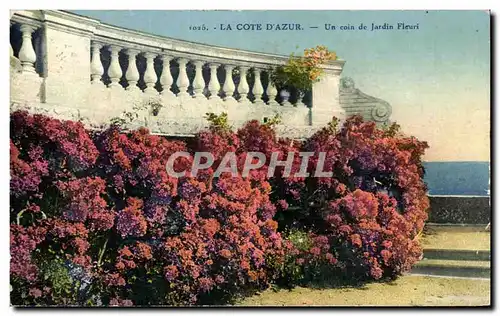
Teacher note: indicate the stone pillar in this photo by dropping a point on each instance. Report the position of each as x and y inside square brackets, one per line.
[214, 85]
[67, 65]
[243, 88]
[285, 96]
[27, 54]
[257, 88]
[228, 83]
[150, 76]
[96, 69]
[183, 79]
[114, 71]
[10, 45]
[300, 98]
[325, 96]
[271, 92]
[198, 82]
[132, 74]
[166, 79]
[25, 83]
[11, 50]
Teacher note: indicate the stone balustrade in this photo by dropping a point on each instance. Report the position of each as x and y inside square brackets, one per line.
[74, 67]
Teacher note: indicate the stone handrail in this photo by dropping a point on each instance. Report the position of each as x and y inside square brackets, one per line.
[74, 67]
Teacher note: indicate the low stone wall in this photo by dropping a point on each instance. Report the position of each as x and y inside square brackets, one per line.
[460, 209]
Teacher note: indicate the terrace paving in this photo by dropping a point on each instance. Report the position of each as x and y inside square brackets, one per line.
[408, 290]
[455, 271]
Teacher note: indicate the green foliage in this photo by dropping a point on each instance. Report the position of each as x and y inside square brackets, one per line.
[218, 122]
[300, 239]
[292, 75]
[333, 124]
[300, 72]
[393, 130]
[292, 270]
[63, 286]
[276, 120]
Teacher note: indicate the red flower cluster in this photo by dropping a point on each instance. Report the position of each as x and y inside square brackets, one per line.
[26, 176]
[84, 202]
[22, 242]
[130, 221]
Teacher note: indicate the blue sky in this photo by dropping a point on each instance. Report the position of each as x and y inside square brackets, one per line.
[437, 78]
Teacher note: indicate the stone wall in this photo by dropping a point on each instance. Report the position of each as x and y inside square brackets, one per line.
[460, 209]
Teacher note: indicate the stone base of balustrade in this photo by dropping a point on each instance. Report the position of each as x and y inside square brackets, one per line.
[321, 118]
[164, 123]
[58, 112]
[15, 65]
[164, 114]
[25, 86]
[289, 115]
[299, 132]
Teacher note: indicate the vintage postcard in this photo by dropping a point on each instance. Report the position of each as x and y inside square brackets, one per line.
[249, 158]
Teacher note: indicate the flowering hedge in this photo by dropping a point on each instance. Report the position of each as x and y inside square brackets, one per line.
[97, 220]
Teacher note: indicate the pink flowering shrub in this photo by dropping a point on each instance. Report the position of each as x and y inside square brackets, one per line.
[96, 220]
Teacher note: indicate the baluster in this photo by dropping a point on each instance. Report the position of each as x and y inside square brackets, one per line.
[300, 98]
[285, 95]
[243, 88]
[132, 74]
[228, 87]
[257, 88]
[182, 79]
[214, 85]
[96, 69]
[271, 92]
[166, 79]
[10, 44]
[150, 77]
[114, 70]
[27, 54]
[198, 82]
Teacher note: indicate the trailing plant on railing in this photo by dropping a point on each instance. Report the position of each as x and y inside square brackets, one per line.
[300, 72]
